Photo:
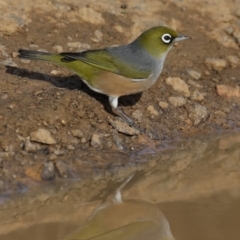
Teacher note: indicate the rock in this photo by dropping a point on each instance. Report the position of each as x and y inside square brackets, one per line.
[58, 48]
[117, 140]
[228, 91]
[152, 111]
[90, 15]
[78, 45]
[163, 104]
[31, 147]
[194, 84]
[237, 13]
[137, 115]
[197, 96]
[233, 61]
[42, 136]
[123, 127]
[178, 85]
[216, 64]
[99, 35]
[25, 61]
[177, 101]
[194, 74]
[9, 62]
[56, 72]
[77, 133]
[64, 170]
[48, 171]
[198, 114]
[96, 140]
[33, 46]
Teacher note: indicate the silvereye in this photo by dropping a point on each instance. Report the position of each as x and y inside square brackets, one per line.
[118, 71]
[124, 219]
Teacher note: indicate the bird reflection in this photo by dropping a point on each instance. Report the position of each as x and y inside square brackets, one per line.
[121, 219]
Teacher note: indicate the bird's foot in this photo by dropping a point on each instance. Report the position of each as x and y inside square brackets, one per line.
[124, 117]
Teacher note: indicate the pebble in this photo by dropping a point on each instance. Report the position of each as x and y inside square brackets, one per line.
[98, 37]
[197, 96]
[77, 133]
[62, 169]
[42, 136]
[198, 114]
[163, 105]
[31, 147]
[117, 140]
[25, 61]
[80, 46]
[194, 74]
[33, 46]
[137, 115]
[123, 127]
[56, 72]
[96, 140]
[48, 171]
[90, 15]
[194, 84]
[15, 54]
[177, 101]
[216, 64]
[152, 111]
[228, 91]
[233, 61]
[58, 48]
[9, 62]
[178, 85]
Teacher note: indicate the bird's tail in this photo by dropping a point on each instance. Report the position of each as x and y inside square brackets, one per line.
[36, 55]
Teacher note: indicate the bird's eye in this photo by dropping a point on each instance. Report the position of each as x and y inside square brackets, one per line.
[166, 38]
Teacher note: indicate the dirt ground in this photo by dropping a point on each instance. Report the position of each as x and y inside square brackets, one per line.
[53, 126]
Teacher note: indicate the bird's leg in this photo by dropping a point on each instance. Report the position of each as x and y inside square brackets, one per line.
[114, 104]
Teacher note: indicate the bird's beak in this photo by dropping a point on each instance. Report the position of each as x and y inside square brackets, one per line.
[181, 38]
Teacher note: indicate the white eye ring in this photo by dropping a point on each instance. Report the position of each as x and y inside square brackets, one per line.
[166, 38]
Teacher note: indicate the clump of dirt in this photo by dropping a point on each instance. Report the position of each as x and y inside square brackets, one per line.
[74, 134]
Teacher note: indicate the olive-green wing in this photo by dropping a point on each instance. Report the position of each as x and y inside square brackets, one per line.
[103, 60]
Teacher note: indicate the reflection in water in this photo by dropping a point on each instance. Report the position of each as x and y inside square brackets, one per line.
[196, 185]
[125, 219]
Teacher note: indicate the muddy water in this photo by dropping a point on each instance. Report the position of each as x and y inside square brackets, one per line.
[189, 192]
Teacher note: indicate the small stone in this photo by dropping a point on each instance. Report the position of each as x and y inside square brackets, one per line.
[33, 46]
[15, 54]
[123, 127]
[178, 85]
[228, 91]
[56, 73]
[48, 171]
[238, 12]
[216, 64]
[152, 111]
[137, 115]
[229, 30]
[9, 62]
[96, 140]
[31, 147]
[59, 152]
[194, 74]
[194, 84]
[233, 61]
[99, 35]
[197, 96]
[77, 133]
[198, 114]
[70, 147]
[25, 61]
[58, 48]
[163, 105]
[90, 15]
[42, 136]
[80, 46]
[74, 44]
[177, 101]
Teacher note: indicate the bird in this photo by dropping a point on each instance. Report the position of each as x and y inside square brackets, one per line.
[120, 70]
[124, 219]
